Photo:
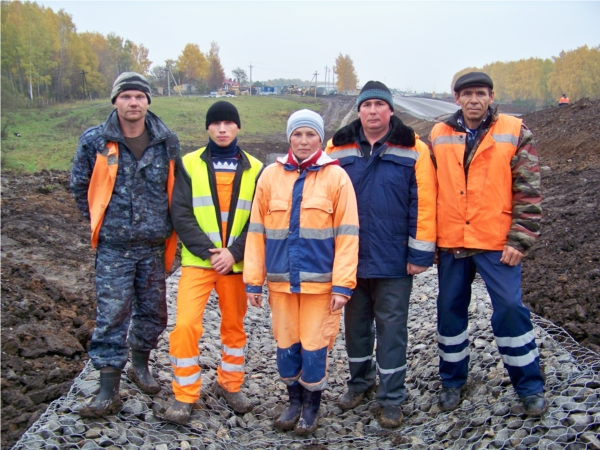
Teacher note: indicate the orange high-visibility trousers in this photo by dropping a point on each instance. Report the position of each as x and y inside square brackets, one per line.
[195, 286]
[305, 329]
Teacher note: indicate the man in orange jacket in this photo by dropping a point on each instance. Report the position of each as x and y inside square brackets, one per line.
[121, 180]
[214, 188]
[488, 216]
[564, 100]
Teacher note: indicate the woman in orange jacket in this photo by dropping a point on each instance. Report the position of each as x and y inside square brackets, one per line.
[303, 237]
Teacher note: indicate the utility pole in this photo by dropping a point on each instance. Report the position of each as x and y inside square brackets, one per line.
[316, 83]
[326, 70]
[168, 71]
[250, 79]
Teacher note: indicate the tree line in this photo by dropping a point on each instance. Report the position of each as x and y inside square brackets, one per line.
[540, 82]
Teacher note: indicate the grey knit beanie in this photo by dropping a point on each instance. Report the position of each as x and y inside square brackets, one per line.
[306, 118]
[130, 81]
[375, 89]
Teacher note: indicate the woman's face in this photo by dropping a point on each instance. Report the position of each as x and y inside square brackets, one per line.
[304, 142]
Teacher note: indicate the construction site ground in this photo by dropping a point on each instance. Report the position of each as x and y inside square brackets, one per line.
[48, 300]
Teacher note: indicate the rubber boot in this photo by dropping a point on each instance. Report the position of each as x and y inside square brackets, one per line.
[288, 419]
[139, 373]
[311, 402]
[179, 412]
[108, 401]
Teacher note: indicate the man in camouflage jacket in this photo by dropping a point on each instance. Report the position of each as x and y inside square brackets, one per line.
[488, 216]
[120, 181]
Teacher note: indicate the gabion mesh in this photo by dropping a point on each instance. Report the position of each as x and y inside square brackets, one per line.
[490, 415]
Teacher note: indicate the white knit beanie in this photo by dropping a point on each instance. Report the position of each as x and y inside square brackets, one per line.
[306, 118]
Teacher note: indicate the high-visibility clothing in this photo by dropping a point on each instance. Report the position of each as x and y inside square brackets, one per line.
[303, 233]
[395, 193]
[209, 219]
[101, 187]
[475, 212]
[305, 329]
[195, 286]
[564, 100]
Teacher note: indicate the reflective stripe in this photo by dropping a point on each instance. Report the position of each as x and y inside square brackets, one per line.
[232, 351]
[363, 359]
[186, 381]
[315, 277]
[344, 153]
[321, 385]
[244, 204]
[277, 234]
[517, 341]
[454, 357]
[214, 237]
[316, 233]
[424, 246]
[231, 240]
[224, 216]
[202, 201]
[440, 140]
[346, 230]
[232, 367]
[390, 371]
[185, 362]
[278, 277]
[256, 228]
[521, 361]
[506, 138]
[453, 340]
[403, 153]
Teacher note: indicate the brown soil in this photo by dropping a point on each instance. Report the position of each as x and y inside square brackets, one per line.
[48, 300]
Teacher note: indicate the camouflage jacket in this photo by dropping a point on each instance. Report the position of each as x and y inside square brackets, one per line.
[526, 182]
[138, 212]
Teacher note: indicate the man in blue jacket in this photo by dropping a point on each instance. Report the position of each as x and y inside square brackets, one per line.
[394, 180]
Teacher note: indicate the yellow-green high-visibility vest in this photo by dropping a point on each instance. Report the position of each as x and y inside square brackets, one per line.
[205, 210]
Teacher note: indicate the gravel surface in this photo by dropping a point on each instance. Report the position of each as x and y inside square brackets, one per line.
[490, 415]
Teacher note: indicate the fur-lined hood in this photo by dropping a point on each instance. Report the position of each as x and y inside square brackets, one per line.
[401, 134]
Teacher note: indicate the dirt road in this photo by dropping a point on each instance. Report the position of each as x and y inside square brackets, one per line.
[48, 303]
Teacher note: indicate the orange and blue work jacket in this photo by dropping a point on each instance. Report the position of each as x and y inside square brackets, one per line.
[395, 192]
[127, 201]
[303, 233]
[477, 207]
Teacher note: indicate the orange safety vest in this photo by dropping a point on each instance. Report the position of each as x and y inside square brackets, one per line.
[477, 214]
[564, 100]
[101, 188]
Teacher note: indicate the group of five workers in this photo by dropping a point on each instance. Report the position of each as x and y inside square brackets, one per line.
[341, 228]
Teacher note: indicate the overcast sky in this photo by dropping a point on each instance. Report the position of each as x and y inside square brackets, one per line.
[407, 45]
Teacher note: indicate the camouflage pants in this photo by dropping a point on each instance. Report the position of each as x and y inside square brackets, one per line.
[131, 303]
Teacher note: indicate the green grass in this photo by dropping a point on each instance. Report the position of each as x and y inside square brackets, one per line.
[49, 136]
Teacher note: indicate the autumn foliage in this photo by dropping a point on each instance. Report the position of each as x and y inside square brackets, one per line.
[346, 75]
[542, 81]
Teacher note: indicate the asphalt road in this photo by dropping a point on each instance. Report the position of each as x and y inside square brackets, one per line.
[424, 108]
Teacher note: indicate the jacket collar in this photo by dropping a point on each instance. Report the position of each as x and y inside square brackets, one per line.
[243, 160]
[315, 162]
[157, 130]
[401, 134]
[453, 121]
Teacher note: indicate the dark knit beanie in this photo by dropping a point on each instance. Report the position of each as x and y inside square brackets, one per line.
[130, 81]
[375, 89]
[473, 79]
[223, 111]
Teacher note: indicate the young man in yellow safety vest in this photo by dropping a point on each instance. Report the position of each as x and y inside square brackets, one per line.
[214, 187]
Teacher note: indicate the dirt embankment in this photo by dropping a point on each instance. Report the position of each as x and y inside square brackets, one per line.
[48, 301]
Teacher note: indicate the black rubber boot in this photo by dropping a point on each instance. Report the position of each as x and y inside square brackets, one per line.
[139, 373]
[288, 419]
[108, 401]
[311, 402]
[179, 412]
